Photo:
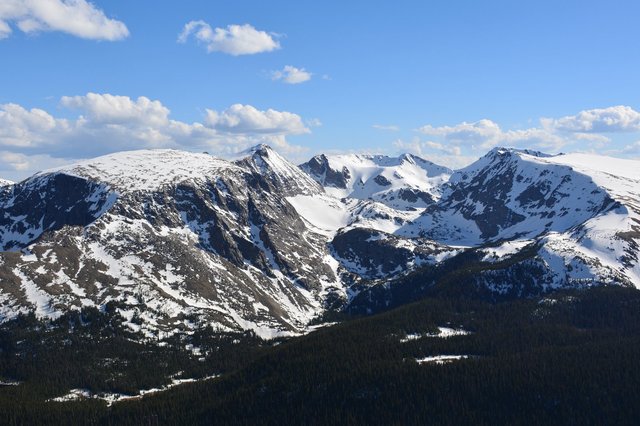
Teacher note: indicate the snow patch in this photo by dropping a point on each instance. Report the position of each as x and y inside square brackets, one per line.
[443, 333]
[441, 359]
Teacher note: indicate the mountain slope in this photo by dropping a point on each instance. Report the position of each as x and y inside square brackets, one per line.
[169, 235]
[609, 241]
[403, 182]
[531, 223]
[511, 194]
[178, 240]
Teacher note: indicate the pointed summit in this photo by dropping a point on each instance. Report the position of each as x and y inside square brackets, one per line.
[285, 176]
[260, 149]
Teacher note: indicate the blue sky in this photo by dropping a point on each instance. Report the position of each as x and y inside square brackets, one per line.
[448, 80]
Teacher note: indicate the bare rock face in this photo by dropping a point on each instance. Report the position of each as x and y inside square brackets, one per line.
[402, 182]
[320, 169]
[375, 254]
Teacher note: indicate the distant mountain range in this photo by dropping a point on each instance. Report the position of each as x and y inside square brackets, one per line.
[175, 240]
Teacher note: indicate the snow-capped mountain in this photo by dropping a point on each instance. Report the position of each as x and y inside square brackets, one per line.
[401, 182]
[368, 199]
[176, 240]
[526, 223]
[582, 210]
[168, 235]
[511, 194]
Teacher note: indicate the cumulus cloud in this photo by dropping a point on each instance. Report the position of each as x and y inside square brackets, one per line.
[449, 156]
[14, 164]
[31, 139]
[602, 120]
[5, 30]
[586, 130]
[234, 40]
[451, 150]
[244, 119]
[14, 160]
[477, 132]
[106, 108]
[76, 17]
[24, 128]
[485, 134]
[291, 75]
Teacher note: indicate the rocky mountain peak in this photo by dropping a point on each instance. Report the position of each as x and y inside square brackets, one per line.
[322, 172]
[404, 182]
[285, 176]
[510, 152]
[260, 149]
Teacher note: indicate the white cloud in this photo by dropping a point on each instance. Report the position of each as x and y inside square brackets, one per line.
[534, 137]
[478, 132]
[587, 128]
[24, 128]
[449, 156]
[451, 150]
[34, 139]
[76, 17]
[602, 120]
[390, 128]
[14, 160]
[291, 75]
[485, 134]
[234, 40]
[5, 30]
[106, 108]
[16, 165]
[240, 118]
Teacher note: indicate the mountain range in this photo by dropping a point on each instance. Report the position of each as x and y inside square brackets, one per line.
[176, 240]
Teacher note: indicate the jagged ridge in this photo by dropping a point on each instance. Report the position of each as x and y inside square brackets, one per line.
[179, 239]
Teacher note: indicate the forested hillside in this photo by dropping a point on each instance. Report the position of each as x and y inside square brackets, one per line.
[568, 358]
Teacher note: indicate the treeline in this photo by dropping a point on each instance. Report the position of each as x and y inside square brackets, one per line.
[92, 350]
[569, 358]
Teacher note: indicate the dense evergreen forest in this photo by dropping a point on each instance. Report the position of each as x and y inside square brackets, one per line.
[567, 358]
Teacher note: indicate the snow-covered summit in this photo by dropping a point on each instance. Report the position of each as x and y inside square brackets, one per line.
[501, 150]
[400, 182]
[599, 167]
[497, 155]
[176, 232]
[5, 182]
[264, 160]
[513, 194]
[145, 169]
[149, 170]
